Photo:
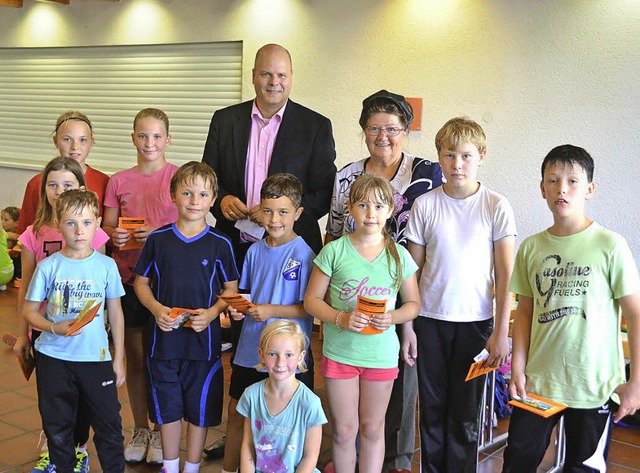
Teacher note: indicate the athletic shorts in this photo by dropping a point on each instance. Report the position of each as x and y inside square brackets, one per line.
[336, 370]
[185, 389]
[135, 314]
[243, 377]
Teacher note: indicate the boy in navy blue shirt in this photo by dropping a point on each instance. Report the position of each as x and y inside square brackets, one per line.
[186, 265]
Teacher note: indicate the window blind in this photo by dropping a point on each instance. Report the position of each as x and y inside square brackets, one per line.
[110, 84]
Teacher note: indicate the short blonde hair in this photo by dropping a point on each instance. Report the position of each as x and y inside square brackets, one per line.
[460, 130]
[191, 170]
[283, 327]
[76, 200]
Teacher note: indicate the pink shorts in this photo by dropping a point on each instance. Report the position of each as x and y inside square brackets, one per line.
[336, 370]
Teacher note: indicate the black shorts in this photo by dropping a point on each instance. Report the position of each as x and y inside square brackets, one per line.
[185, 389]
[135, 314]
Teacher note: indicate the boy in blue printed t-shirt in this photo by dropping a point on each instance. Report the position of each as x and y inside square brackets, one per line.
[69, 368]
[186, 264]
[276, 271]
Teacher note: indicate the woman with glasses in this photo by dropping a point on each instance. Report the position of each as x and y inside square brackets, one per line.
[385, 121]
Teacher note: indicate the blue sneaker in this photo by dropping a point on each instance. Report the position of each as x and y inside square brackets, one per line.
[82, 465]
[44, 465]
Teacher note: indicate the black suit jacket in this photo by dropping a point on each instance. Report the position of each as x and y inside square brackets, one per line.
[304, 147]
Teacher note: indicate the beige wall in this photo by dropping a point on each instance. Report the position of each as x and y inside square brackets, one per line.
[535, 74]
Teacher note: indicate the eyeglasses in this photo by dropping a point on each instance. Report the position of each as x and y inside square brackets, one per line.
[388, 130]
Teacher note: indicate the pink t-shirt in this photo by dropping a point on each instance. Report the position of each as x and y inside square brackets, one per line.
[49, 241]
[140, 195]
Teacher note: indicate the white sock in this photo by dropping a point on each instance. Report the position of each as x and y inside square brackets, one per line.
[82, 449]
[172, 466]
[190, 467]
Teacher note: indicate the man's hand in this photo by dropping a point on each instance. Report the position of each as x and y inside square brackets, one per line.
[233, 208]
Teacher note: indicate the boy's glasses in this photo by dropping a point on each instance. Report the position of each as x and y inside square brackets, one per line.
[388, 130]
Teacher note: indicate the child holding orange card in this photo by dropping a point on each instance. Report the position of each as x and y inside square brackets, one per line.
[141, 194]
[359, 369]
[276, 271]
[79, 368]
[186, 265]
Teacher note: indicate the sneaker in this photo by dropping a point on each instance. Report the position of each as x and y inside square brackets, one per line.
[136, 450]
[227, 346]
[216, 449]
[17, 282]
[154, 453]
[44, 465]
[82, 464]
[3, 287]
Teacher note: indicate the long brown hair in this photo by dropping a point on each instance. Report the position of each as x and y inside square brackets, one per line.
[378, 189]
[45, 211]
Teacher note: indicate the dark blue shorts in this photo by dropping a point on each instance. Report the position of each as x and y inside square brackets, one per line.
[185, 389]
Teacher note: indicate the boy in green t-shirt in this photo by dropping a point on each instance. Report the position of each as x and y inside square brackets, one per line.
[572, 280]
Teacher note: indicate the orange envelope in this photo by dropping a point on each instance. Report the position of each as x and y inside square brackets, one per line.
[538, 405]
[130, 224]
[238, 302]
[370, 307]
[87, 314]
[182, 316]
[478, 369]
[27, 365]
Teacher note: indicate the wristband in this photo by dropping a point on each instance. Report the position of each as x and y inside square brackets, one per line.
[53, 331]
[338, 319]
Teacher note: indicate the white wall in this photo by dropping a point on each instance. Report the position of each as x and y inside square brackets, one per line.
[535, 74]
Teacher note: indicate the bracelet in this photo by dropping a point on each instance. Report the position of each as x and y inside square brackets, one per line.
[338, 319]
[53, 331]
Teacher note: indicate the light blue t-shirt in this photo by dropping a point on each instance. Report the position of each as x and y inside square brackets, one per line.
[279, 440]
[274, 275]
[68, 285]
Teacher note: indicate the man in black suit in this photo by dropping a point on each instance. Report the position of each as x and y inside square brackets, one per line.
[253, 140]
[303, 146]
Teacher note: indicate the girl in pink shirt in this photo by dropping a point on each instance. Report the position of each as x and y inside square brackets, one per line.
[141, 192]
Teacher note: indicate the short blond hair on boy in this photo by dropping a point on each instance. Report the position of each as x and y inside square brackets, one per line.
[460, 130]
[76, 200]
[189, 171]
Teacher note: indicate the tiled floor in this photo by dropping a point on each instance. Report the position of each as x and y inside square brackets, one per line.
[20, 422]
